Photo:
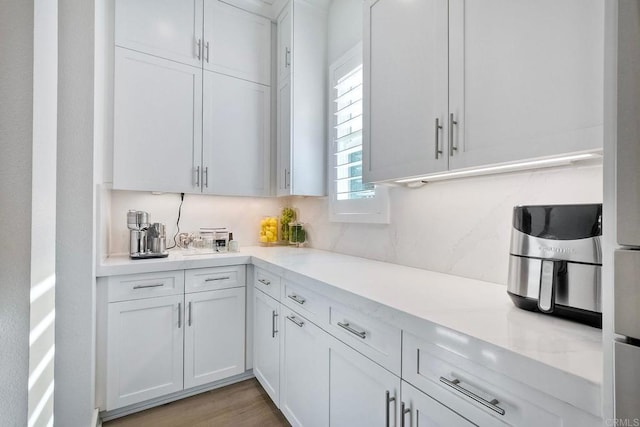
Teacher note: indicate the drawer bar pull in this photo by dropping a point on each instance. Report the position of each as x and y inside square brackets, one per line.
[297, 299]
[154, 285]
[345, 325]
[455, 384]
[297, 322]
[214, 279]
[264, 282]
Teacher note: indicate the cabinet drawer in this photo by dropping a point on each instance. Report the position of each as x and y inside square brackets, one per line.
[209, 279]
[480, 395]
[136, 286]
[310, 304]
[375, 339]
[268, 283]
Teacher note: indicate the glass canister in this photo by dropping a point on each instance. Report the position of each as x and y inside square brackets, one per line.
[297, 233]
[287, 216]
[268, 230]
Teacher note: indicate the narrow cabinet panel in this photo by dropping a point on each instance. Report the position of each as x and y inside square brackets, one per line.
[304, 372]
[283, 162]
[266, 344]
[157, 124]
[214, 335]
[285, 34]
[170, 29]
[526, 79]
[237, 43]
[362, 393]
[405, 77]
[144, 349]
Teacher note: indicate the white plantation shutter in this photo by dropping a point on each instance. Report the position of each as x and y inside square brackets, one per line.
[351, 199]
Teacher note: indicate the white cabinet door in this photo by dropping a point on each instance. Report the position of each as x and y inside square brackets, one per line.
[285, 34]
[526, 79]
[214, 335]
[283, 162]
[361, 392]
[144, 349]
[237, 43]
[423, 411]
[168, 29]
[236, 136]
[266, 344]
[405, 77]
[157, 124]
[304, 372]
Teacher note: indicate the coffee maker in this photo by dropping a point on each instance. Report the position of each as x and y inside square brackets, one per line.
[146, 240]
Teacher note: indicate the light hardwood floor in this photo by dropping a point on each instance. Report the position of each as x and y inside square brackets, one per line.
[242, 404]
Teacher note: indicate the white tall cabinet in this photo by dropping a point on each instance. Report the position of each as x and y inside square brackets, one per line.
[454, 84]
[301, 99]
[221, 142]
[266, 343]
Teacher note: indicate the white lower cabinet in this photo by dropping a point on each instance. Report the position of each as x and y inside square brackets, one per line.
[144, 349]
[417, 409]
[214, 336]
[152, 344]
[304, 372]
[266, 344]
[361, 393]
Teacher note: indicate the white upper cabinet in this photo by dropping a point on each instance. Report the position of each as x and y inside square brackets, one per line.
[157, 124]
[236, 43]
[454, 84]
[236, 135]
[405, 89]
[301, 99]
[170, 29]
[526, 79]
[170, 134]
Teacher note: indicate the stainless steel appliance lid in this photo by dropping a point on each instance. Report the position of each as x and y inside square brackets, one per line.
[559, 222]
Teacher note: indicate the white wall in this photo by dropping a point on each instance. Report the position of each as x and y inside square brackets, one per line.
[75, 267]
[16, 119]
[240, 214]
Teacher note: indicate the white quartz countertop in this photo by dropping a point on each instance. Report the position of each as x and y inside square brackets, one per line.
[475, 308]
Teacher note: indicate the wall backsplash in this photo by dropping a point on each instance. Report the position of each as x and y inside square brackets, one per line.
[460, 227]
[240, 214]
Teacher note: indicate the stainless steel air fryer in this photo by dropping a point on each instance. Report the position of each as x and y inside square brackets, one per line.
[556, 261]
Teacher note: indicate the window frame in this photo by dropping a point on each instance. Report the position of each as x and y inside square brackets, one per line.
[373, 210]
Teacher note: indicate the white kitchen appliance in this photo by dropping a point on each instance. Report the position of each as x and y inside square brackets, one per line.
[623, 143]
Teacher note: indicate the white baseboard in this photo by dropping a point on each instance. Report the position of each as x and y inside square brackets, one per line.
[95, 419]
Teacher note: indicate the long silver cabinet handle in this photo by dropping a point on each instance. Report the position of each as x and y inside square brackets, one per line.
[452, 147]
[297, 298]
[198, 176]
[155, 285]
[206, 176]
[264, 282]
[287, 57]
[403, 412]
[297, 322]
[347, 326]
[199, 49]
[206, 47]
[179, 315]
[438, 129]
[388, 399]
[189, 313]
[214, 279]
[491, 404]
[274, 331]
